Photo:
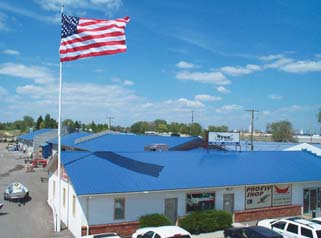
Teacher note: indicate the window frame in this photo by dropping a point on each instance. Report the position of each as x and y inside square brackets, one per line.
[73, 205]
[123, 202]
[307, 229]
[291, 225]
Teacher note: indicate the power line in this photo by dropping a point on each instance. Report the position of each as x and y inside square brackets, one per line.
[252, 125]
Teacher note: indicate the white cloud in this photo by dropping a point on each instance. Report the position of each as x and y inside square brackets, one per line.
[237, 70]
[11, 52]
[3, 22]
[222, 89]
[278, 63]
[229, 108]
[3, 92]
[204, 77]
[275, 97]
[302, 66]
[128, 83]
[292, 108]
[185, 65]
[38, 74]
[205, 97]
[108, 6]
[190, 103]
[271, 57]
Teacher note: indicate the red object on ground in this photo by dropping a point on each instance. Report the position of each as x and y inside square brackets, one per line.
[39, 163]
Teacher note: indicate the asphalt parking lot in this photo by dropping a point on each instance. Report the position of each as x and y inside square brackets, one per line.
[34, 218]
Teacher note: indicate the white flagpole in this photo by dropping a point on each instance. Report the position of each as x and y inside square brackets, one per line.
[58, 223]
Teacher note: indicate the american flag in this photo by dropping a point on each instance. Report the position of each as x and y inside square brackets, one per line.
[84, 37]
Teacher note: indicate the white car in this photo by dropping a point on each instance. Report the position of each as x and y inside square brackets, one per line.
[161, 232]
[295, 227]
[316, 220]
[103, 235]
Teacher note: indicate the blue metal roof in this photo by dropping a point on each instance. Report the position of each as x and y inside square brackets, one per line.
[69, 139]
[130, 142]
[107, 172]
[31, 135]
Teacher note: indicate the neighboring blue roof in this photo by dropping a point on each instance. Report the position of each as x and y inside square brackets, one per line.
[107, 172]
[69, 139]
[130, 142]
[31, 135]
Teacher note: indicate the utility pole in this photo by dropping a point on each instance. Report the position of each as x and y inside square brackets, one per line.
[252, 125]
[192, 116]
[109, 122]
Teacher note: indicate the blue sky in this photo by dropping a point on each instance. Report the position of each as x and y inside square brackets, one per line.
[215, 58]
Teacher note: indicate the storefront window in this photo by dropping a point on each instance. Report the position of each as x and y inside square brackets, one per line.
[200, 201]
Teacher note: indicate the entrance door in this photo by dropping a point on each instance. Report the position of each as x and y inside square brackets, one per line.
[171, 209]
[310, 200]
[306, 200]
[228, 202]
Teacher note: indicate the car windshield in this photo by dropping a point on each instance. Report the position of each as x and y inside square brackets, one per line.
[319, 234]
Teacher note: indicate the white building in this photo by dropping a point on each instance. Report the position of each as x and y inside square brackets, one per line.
[108, 192]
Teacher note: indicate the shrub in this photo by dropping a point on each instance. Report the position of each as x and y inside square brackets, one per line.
[154, 220]
[206, 221]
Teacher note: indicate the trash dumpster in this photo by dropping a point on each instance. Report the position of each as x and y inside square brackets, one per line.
[314, 215]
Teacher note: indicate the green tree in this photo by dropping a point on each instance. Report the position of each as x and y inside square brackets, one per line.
[27, 123]
[69, 124]
[222, 128]
[93, 126]
[140, 127]
[196, 129]
[184, 129]
[38, 123]
[161, 125]
[77, 125]
[281, 131]
[174, 127]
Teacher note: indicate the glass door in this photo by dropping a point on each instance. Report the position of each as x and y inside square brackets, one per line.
[311, 199]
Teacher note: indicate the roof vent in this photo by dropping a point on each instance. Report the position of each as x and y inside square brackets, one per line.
[156, 147]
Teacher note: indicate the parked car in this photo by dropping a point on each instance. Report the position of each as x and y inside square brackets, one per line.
[316, 220]
[251, 232]
[295, 227]
[161, 232]
[16, 192]
[1, 205]
[103, 235]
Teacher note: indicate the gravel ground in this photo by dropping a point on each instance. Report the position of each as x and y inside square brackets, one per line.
[34, 218]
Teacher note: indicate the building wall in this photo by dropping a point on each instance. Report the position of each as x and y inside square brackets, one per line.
[73, 220]
[98, 210]
[40, 139]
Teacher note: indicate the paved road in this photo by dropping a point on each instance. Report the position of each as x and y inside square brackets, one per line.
[34, 219]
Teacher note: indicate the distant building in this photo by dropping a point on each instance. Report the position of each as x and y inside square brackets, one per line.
[35, 141]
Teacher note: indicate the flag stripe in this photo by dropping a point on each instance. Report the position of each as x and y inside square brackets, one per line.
[88, 46]
[101, 28]
[91, 37]
[90, 54]
[84, 40]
